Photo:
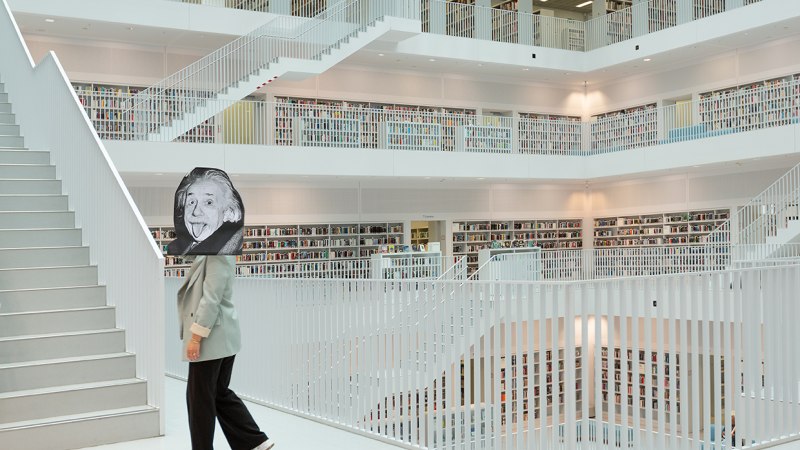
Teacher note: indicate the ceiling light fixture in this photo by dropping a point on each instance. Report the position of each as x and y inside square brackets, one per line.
[431, 59]
[647, 60]
[380, 54]
[49, 20]
[583, 4]
[526, 69]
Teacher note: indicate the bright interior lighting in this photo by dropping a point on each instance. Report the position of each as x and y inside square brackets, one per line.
[49, 20]
[380, 54]
[432, 60]
[647, 60]
[583, 4]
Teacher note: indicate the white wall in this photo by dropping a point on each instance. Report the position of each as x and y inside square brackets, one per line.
[321, 201]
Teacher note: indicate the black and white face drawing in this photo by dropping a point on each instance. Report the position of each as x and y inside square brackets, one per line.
[209, 215]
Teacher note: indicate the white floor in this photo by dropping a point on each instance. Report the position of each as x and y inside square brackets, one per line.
[288, 431]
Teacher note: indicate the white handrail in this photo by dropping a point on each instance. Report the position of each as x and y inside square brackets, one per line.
[238, 64]
[128, 261]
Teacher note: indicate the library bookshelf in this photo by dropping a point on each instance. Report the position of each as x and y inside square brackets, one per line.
[327, 132]
[640, 380]
[673, 228]
[471, 236]
[752, 105]
[474, 138]
[543, 384]
[411, 136]
[549, 134]
[626, 128]
[267, 246]
[109, 107]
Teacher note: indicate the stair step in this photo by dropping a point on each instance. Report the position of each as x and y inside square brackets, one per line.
[45, 299]
[82, 430]
[47, 402]
[48, 237]
[17, 258]
[61, 345]
[11, 140]
[33, 202]
[9, 129]
[42, 277]
[3, 97]
[27, 171]
[5, 107]
[56, 321]
[24, 157]
[63, 371]
[30, 186]
[38, 220]
[7, 118]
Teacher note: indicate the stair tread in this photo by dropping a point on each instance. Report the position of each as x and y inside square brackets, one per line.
[48, 267]
[70, 388]
[47, 247]
[44, 362]
[52, 288]
[61, 334]
[78, 417]
[46, 311]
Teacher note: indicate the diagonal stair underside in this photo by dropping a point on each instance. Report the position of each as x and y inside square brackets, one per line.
[287, 47]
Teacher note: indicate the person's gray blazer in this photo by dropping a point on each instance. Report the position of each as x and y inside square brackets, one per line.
[205, 307]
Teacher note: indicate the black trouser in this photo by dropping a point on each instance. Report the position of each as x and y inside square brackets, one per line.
[208, 399]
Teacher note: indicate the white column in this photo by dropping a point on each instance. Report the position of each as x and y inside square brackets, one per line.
[684, 11]
[280, 6]
[525, 21]
[437, 16]
[483, 19]
[640, 17]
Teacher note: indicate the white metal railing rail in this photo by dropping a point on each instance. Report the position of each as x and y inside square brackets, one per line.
[241, 63]
[128, 262]
[500, 25]
[662, 362]
[335, 268]
[356, 125]
[763, 227]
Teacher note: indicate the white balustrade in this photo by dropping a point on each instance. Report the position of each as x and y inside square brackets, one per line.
[648, 362]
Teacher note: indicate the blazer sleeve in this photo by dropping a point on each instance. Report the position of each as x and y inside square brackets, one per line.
[219, 272]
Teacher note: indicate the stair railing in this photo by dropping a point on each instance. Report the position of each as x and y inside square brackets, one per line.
[746, 234]
[242, 59]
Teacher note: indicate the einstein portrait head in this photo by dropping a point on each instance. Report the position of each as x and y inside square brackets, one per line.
[209, 215]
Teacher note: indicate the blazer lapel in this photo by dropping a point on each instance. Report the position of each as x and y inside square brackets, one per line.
[197, 268]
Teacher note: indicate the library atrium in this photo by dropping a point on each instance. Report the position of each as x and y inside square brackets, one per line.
[470, 224]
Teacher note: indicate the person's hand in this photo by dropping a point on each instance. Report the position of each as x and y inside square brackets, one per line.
[193, 349]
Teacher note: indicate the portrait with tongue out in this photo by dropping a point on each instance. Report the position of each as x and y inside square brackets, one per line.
[209, 215]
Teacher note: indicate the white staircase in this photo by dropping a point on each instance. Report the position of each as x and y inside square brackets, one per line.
[66, 380]
[285, 47]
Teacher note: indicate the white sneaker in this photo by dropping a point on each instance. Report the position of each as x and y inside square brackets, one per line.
[266, 445]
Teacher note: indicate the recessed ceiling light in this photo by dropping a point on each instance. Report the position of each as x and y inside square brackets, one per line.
[481, 178]
[431, 59]
[158, 174]
[49, 20]
[583, 4]
[647, 59]
[526, 69]
[480, 65]
[380, 54]
[130, 28]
